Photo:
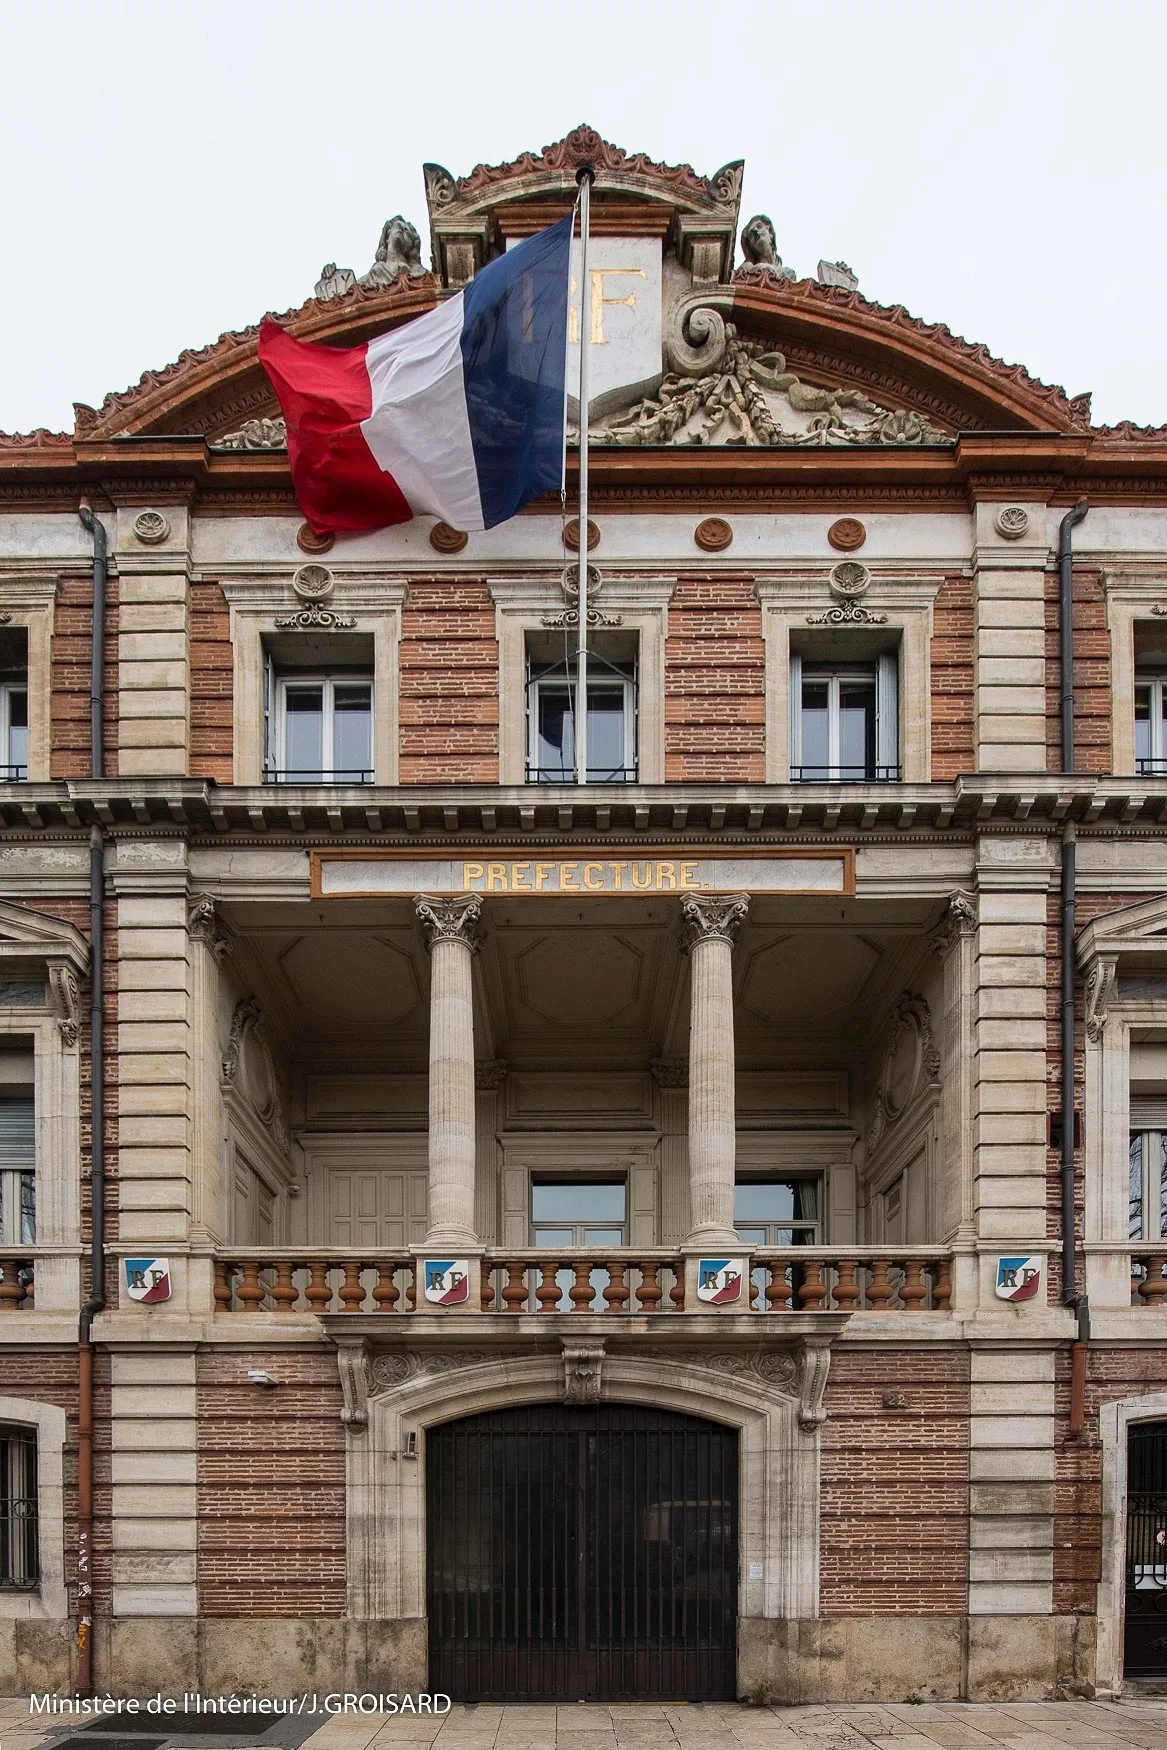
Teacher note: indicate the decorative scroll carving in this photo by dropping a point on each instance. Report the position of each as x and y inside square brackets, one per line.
[570, 615]
[960, 920]
[760, 248]
[1100, 983]
[814, 1367]
[352, 1362]
[453, 919]
[203, 926]
[255, 434]
[714, 917]
[1011, 522]
[385, 1372]
[583, 145]
[313, 618]
[582, 1372]
[247, 1068]
[313, 582]
[849, 614]
[849, 579]
[65, 1001]
[670, 1072]
[398, 252]
[246, 1014]
[490, 1076]
[910, 1061]
[748, 397]
[776, 1367]
[334, 282]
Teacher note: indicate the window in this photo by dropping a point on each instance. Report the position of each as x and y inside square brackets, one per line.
[1151, 724]
[1147, 1195]
[17, 1172]
[551, 688]
[579, 1212]
[844, 721]
[13, 704]
[320, 728]
[777, 1212]
[19, 1570]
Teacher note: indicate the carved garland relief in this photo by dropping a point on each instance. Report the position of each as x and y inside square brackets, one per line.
[911, 1061]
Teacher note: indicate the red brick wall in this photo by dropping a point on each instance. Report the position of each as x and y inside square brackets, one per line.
[271, 1476]
[71, 678]
[1091, 674]
[715, 683]
[50, 1377]
[894, 1514]
[448, 683]
[211, 684]
[952, 680]
[1111, 1373]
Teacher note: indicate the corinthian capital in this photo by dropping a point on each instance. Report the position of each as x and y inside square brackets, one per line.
[712, 917]
[453, 919]
[959, 920]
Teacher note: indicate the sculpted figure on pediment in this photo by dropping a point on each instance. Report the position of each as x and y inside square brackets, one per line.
[760, 248]
[398, 251]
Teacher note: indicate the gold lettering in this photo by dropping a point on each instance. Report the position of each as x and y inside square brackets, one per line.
[542, 870]
[688, 877]
[666, 876]
[600, 303]
[496, 877]
[519, 883]
[567, 877]
[641, 874]
[618, 874]
[599, 872]
[471, 872]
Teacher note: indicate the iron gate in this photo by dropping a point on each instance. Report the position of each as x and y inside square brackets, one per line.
[582, 1554]
[1146, 1551]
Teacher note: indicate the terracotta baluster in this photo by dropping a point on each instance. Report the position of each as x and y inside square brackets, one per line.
[319, 1290]
[284, 1293]
[352, 1289]
[913, 1289]
[581, 1293]
[942, 1285]
[250, 1291]
[514, 1290]
[486, 1287]
[411, 1287]
[813, 1290]
[650, 1293]
[677, 1291]
[547, 1293]
[11, 1293]
[847, 1291]
[385, 1291]
[1154, 1285]
[879, 1289]
[616, 1292]
[777, 1288]
[223, 1285]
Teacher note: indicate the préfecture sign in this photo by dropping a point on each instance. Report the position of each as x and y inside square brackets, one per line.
[618, 870]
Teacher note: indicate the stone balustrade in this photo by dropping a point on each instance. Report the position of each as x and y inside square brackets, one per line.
[1148, 1282]
[16, 1281]
[589, 1280]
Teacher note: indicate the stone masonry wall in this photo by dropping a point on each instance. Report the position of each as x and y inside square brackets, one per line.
[715, 683]
[895, 1483]
[271, 1486]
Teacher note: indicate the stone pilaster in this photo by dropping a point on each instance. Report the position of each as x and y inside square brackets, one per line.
[711, 923]
[154, 1524]
[1011, 1482]
[452, 933]
[1009, 638]
[955, 946]
[153, 642]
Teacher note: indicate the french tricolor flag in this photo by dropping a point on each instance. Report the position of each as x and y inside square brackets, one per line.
[459, 415]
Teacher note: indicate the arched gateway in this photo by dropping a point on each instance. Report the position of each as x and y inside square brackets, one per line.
[582, 1553]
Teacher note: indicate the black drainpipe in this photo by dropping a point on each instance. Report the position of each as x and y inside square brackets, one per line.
[96, 1301]
[1070, 1296]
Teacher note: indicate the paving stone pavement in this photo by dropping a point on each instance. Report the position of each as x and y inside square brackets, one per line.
[1135, 1723]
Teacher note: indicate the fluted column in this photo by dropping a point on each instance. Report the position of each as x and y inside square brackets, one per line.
[711, 923]
[452, 934]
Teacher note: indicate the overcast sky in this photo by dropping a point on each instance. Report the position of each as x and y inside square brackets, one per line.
[173, 168]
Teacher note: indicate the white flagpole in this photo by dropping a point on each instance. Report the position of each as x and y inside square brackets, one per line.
[584, 177]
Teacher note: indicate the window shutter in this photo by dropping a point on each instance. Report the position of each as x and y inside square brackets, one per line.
[795, 711]
[887, 714]
[17, 1133]
[269, 693]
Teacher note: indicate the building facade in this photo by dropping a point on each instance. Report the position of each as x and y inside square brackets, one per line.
[588, 1240]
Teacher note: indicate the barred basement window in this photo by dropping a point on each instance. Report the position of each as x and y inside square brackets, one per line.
[19, 1566]
[17, 1172]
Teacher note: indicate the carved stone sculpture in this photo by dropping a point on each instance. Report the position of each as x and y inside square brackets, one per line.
[837, 273]
[760, 248]
[398, 251]
[334, 281]
[255, 434]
